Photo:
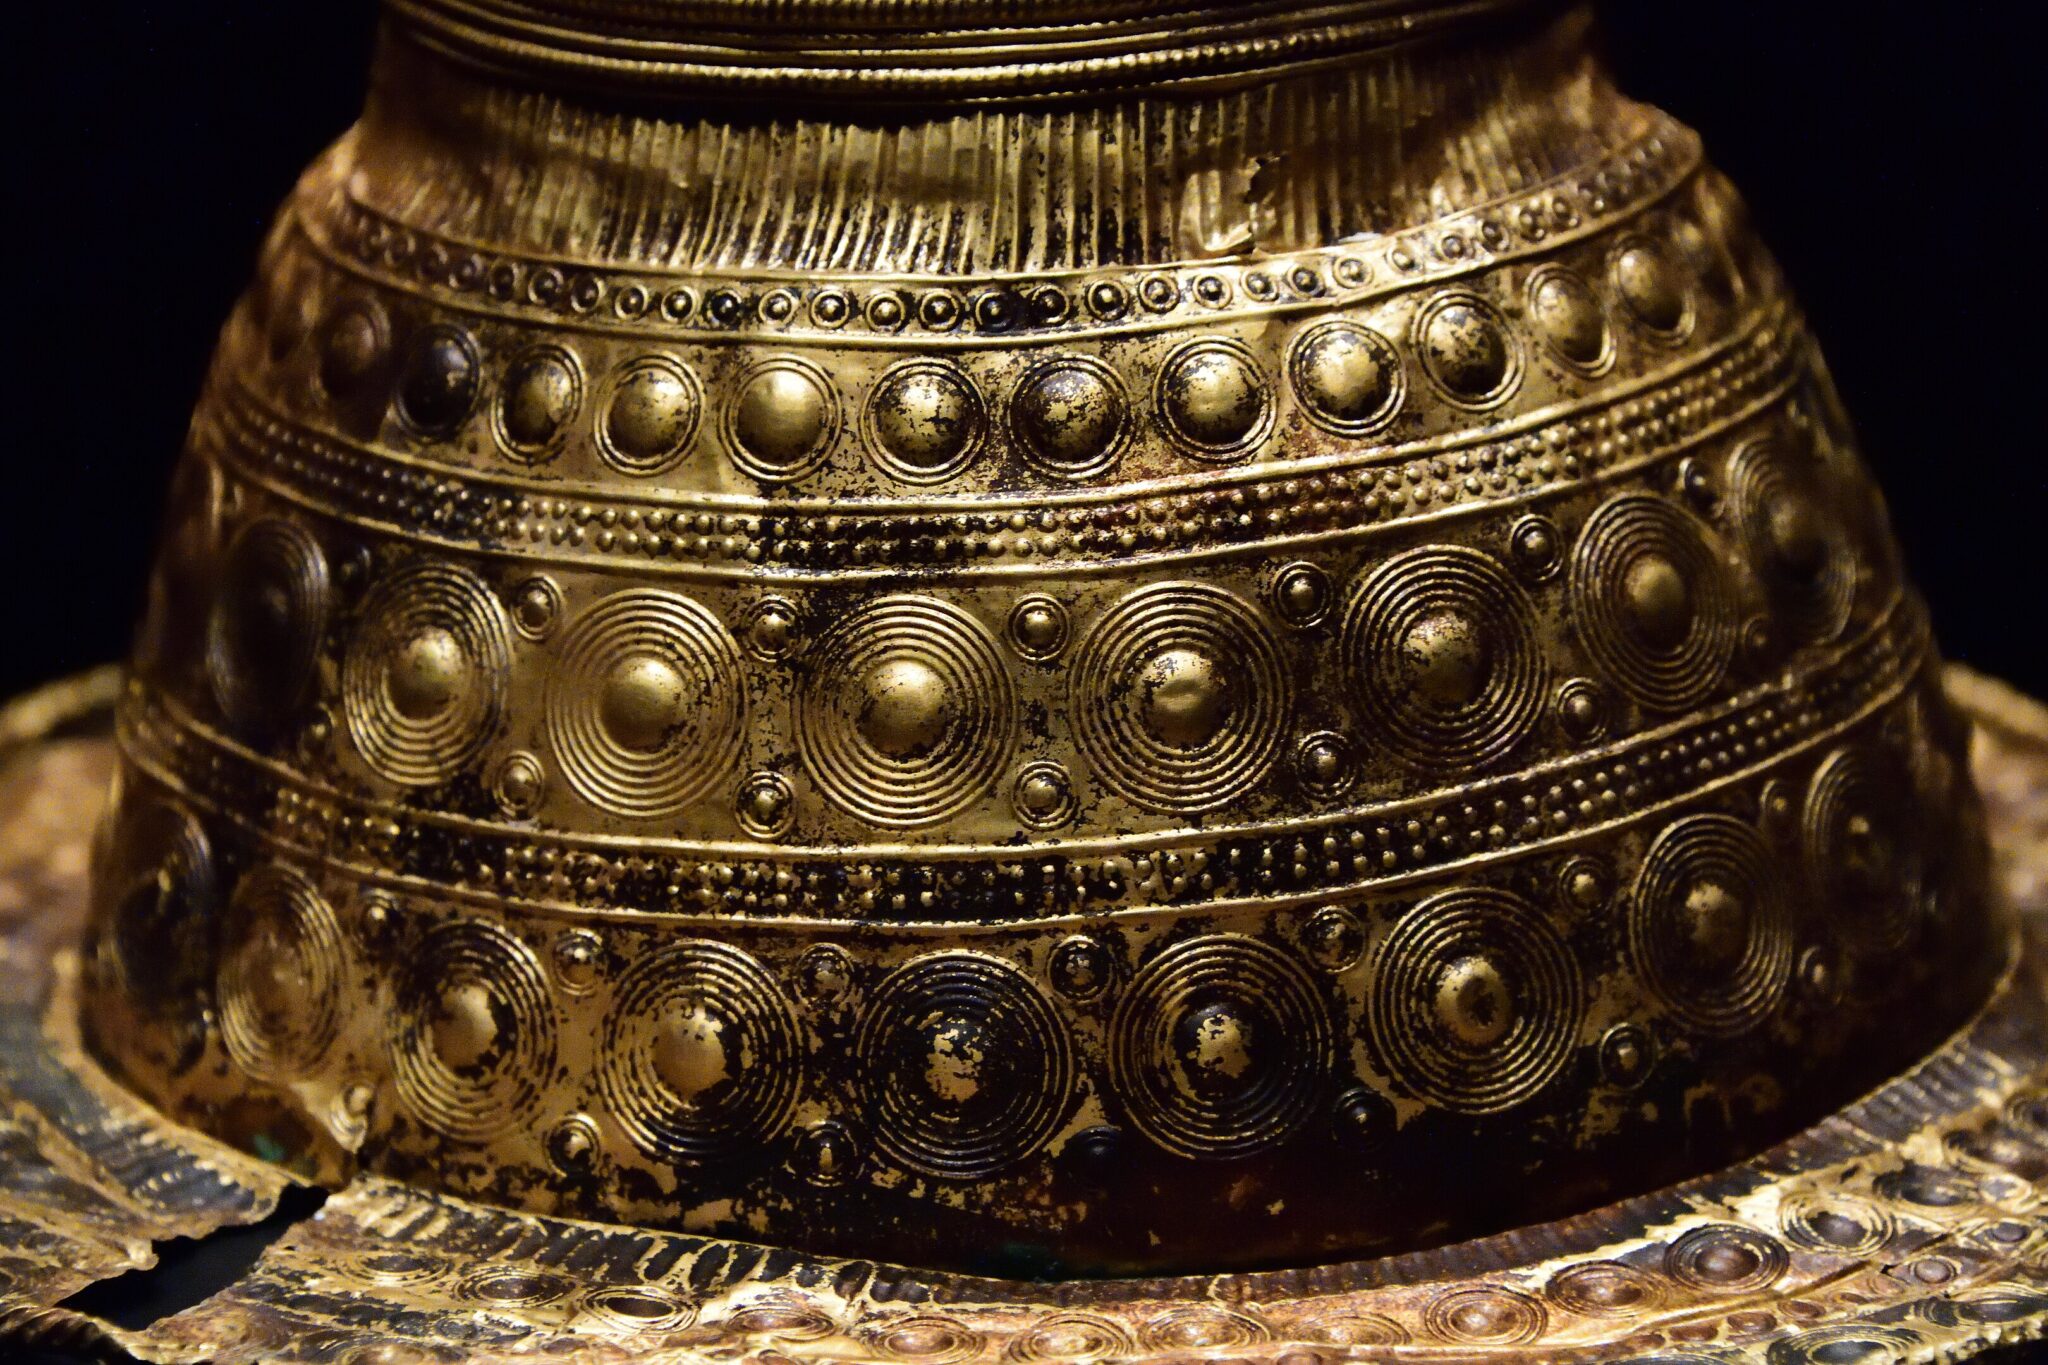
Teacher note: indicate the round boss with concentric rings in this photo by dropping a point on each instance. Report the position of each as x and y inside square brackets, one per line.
[965, 1066]
[1182, 696]
[423, 680]
[158, 884]
[645, 708]
[1475, 1000]
[280, 979]
[267, 622]
[1709, 927]
[1799, 546]
[1222, 1046]
[475, 1033]
[701, 1058]
[1862, 848]
[1652, 602]
[906, 713]
[1441, 642]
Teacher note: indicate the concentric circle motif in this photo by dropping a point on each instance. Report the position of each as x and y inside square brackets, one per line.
[650, 415]
[1988, 1307]
[923, 421]
[1348, 377]
[1722, 1258]
[786, 1317]
[782, 419]
[1349, 1330]
[644, 707]
[475, 1033]
[1069, 416]
[1606, 1289]
[1652, 602]
[1849, 1343]
[1468, 350]
[267, 623]
[1183, 697]
[1566, 315]
[635, 1308]
[965, 1065]
[1442, 643]
[1476, 1000]
[511, 1286]
[437, 387]
[906, 713]
[280, 975]
[1071, 1339]
[1863, 856]
[926, 1338]
[1486, 1315]
[1212, 399]
[1653, 288]
[701, 1060]
[158, 885]
[1839, 1224]
[1201, 1327]
[538, 399]
[1710, 927]
[1222, 1046]
[423, 681]
[1799, 546]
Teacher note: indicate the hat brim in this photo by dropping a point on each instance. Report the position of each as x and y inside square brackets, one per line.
[1912, 1225]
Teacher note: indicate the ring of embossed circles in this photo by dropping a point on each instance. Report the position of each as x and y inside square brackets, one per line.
[966, 1065]
[1475, 1000]
[1788, 532]
[267, 622]
[1468, 350]
[782, 418]
[162, 883]
[1653, 603]
[423, 681]
[1607, 1289]
[650, 415]
[280, 975]
[1485, 1316]
[1213, 400]
[1070, 416]
[438, 386]
[1183, 696]
[537, 401]
[1566, 314]
[644, 708]
[907, 713]
[475, 1036]
[1443, 643]
[1071, 1339]
[1347, 376]
[701, 1060]
[1862, 856]
[1709, 928]
[923, 421]
[1221, 1046]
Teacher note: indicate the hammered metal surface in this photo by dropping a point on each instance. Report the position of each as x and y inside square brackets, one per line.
[1908, 1226]
[1201, 677]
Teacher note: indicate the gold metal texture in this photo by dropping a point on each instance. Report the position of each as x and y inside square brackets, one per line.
[1045, 642]
[1906, 1226]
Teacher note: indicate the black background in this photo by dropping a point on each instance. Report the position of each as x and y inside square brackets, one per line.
[1891, 151]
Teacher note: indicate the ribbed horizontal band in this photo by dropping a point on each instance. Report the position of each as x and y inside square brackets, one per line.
[955, 50]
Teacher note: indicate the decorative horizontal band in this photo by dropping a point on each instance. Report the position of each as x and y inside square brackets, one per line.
[1275, 863]
[964, 53]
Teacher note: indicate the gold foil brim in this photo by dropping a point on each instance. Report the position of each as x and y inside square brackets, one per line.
[1909, 1226]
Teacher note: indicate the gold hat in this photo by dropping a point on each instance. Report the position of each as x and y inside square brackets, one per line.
[953, 680]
